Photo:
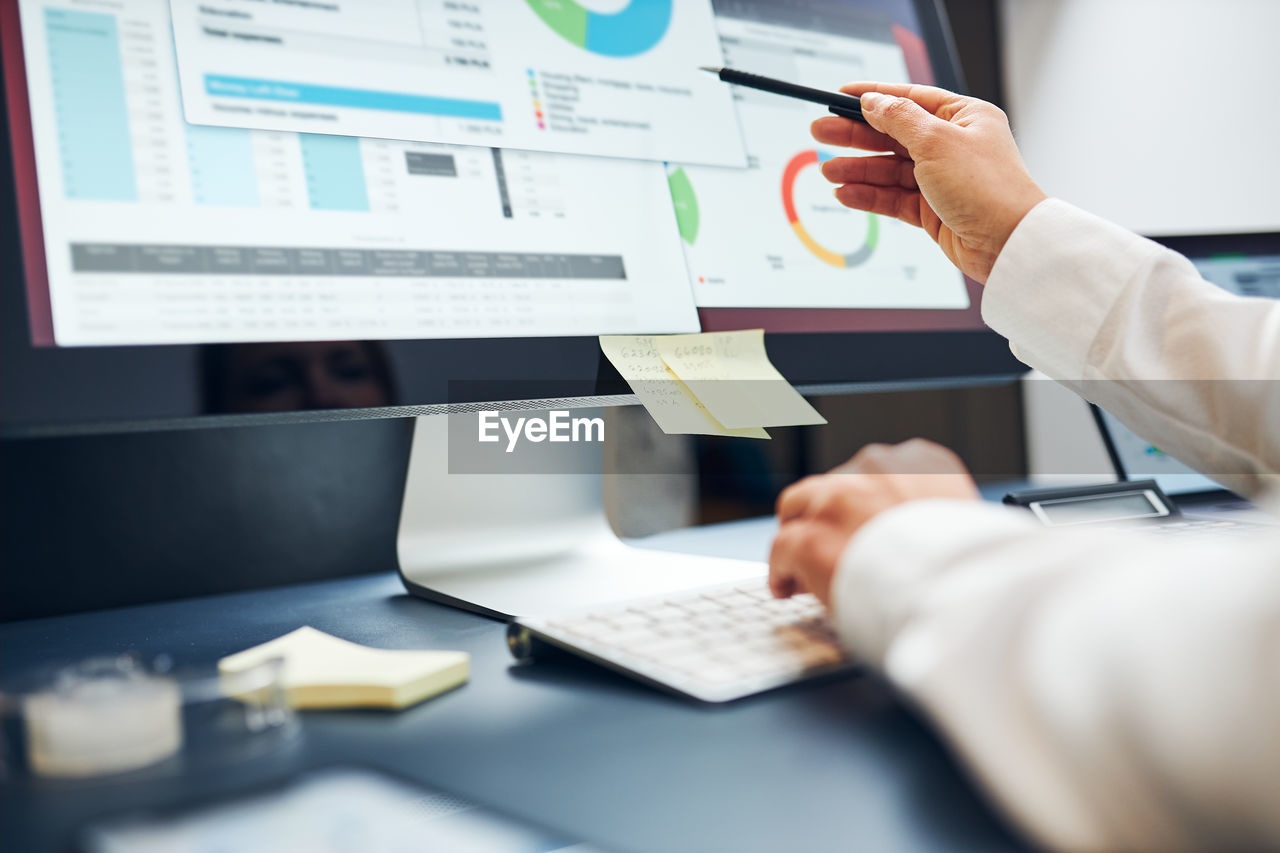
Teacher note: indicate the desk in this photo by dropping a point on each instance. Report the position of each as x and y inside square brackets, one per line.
[839, 765]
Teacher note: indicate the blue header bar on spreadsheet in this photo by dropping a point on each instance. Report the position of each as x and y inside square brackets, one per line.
[339, 96]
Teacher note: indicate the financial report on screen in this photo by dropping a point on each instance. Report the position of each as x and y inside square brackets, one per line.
[162, 231]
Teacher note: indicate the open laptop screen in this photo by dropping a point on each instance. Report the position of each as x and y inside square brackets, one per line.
[1138, 459]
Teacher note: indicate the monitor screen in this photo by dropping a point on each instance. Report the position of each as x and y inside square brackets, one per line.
[1142, 460]
[199, 248]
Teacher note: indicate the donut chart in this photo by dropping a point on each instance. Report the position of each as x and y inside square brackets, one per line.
[859, 256]
[628, 32]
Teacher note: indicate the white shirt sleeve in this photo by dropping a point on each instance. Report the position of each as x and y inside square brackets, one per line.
[1132, 326]
[1110, 692]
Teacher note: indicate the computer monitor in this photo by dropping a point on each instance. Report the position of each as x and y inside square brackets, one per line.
[159, 271]
[164, 272]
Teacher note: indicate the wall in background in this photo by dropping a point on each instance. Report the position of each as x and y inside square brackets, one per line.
[1157, 114]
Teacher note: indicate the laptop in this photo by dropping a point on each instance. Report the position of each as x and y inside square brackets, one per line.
[1194, 494]
[1243, 264]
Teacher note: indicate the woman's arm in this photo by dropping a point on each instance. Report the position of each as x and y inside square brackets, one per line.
[1133, 327]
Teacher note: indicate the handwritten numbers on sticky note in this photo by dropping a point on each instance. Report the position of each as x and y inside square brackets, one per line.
[668, 400]
[730, 373]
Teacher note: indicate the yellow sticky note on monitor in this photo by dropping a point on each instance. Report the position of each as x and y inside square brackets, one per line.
[324, 671]
[668, 400]
[730, 373]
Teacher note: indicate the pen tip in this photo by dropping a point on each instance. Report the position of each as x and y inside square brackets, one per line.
[709, 69]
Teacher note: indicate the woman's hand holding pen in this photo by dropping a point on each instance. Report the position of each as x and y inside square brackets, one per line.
[951, 167]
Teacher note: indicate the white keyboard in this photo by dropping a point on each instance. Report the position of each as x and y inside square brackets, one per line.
[714, 643]
[1183, 525]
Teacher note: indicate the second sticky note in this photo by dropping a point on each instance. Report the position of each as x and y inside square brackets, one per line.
[668, 400]
[731, 375]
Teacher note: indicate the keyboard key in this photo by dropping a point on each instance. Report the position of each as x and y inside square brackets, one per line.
[668, 649]
[696, 606]
[713, 622]
[629, 639]
[674, 629]
[727, 596]
[666, 614]
[748, 615]
[629, 620]
[591, 628]
[720, 640]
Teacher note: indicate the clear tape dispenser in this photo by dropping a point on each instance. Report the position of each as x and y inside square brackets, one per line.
[107, 716]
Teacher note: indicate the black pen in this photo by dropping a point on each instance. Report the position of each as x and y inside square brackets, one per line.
[846, 106]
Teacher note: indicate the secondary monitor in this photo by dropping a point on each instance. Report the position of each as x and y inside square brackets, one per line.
[1246, 265]
[181, 249]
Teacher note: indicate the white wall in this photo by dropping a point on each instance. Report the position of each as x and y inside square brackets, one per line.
[1162, 115]
[1064, 447]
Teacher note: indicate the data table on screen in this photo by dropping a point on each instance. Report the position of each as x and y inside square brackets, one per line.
[157, 230]
[87, 75]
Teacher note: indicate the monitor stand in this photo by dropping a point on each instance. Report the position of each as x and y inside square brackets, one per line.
[526, 544]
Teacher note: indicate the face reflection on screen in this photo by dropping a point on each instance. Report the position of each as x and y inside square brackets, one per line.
[290, 377]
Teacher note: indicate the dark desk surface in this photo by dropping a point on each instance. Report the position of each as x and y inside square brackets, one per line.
[834, 766]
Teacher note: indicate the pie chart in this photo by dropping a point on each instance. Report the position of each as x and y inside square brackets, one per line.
[858, 256]
[628, 32]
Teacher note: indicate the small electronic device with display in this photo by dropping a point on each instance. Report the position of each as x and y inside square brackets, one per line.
[1110, 503]
[1127, 504]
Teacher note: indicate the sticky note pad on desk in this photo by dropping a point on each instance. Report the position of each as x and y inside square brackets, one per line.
[730, 373]
[668, 400]
[324, 671]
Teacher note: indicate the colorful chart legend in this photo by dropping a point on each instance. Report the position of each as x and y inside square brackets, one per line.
[538, 114]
